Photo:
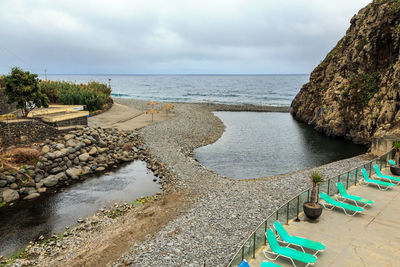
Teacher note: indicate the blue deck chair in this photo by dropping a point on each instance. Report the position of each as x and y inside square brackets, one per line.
[269, 264]
[297, 241]
[343, 195]
[344, 206]
[244, 263]
[388, 178]
[291, 254]
[381, 184]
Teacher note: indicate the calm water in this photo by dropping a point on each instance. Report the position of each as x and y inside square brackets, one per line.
[275, 90]
[262, 144]
[48, 214]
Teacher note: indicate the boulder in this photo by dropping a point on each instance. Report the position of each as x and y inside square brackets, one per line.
[76, 171]
[9, 195]
[61, 176]
[84, 157]
[68, 137]
[3, 183]
[32, 196]
[93, 151]
[45, 149]
[50, 181]
[71, 143]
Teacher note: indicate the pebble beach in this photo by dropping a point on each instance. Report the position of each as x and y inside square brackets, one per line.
[215, 214]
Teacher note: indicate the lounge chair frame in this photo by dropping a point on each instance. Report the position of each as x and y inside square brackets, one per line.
[287, 244]
[363, 181]
[268, 251]
[331, 207]
[341, 198]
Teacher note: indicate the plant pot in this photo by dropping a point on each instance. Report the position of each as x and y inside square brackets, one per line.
[395, 170]
[312, 212]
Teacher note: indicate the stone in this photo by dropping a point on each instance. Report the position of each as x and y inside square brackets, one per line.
[61, 176]
[55, 170]
[67, 137]
[87, 141]
[93, 151]
[3, 183]
[76, 171]
[45, 149]
[59, 146]
[84, 157]
[10, 195]
[71, 143]
[100, 169]
[10, 179]
[32, 196]
[42, 189]
[50, 181]
[86, 170]
[13, 186]
[76, 161]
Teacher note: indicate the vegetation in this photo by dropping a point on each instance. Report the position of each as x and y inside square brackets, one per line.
[23, 88]
[19, 254]
[366, 85]
[93, 95]
[316, 179]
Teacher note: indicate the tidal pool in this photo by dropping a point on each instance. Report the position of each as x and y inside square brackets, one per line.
[27, 220]
[261, 144]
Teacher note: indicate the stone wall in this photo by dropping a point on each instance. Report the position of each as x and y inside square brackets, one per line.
[71, 122]
[5, 108]
[382, 144]
[24, 132]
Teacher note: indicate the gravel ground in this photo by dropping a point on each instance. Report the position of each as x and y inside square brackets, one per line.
[224, 211]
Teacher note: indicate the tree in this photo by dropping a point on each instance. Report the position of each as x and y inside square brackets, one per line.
[23, 88]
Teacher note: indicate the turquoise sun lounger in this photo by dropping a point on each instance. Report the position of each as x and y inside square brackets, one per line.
[343, 195]
[298, 241]
[291, 254]
[269, 264]
[388, 178]
[392, 162]
[381, 184]
[344, 206]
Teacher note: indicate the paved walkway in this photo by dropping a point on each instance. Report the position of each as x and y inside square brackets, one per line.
[370, 239]
[125, 118]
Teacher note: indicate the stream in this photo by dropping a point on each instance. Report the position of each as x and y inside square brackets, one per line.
[50, 213]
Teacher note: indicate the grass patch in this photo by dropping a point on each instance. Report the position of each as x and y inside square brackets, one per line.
[365, 86]
[19, 254]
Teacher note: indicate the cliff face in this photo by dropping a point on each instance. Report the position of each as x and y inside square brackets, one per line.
[355, 91]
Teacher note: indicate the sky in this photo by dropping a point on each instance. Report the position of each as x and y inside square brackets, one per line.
[171, 36]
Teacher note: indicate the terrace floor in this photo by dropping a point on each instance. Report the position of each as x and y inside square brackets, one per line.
[369, 239]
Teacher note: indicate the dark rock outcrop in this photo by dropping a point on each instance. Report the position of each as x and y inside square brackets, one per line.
[355, 91]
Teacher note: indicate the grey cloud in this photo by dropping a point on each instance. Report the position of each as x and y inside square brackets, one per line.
[176, 36]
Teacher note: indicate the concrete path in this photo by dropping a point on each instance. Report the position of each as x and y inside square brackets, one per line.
[369, 239]
[125, 118]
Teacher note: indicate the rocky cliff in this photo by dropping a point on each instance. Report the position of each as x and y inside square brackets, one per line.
[355, 91]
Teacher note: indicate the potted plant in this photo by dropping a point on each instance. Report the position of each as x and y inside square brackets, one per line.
[395, 169]
[313, 209]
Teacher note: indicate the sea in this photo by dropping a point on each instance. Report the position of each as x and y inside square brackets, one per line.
[254, 144]
[266, 90]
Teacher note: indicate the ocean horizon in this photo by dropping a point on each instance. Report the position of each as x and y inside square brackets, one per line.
[256, 89]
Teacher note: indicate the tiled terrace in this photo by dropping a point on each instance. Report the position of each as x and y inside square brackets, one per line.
[369, 239]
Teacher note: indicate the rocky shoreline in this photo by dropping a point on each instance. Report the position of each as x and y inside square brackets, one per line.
[222, 211]
[71, 157]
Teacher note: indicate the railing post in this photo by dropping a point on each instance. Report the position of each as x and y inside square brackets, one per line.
[347, 182]
[318, 193]
[242, 252]
[308, 195]
[329, 183]
[355, 180]
[254, 245]
[265, 228]
[370, 170]
[298, 208]
[287, 213]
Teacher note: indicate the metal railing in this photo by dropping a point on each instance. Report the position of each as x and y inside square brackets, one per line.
[292, 208]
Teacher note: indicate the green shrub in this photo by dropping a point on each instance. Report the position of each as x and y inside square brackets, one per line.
[367, 84]
[93, 94]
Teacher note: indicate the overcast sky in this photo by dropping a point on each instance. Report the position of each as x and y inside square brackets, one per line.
[171, 36]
